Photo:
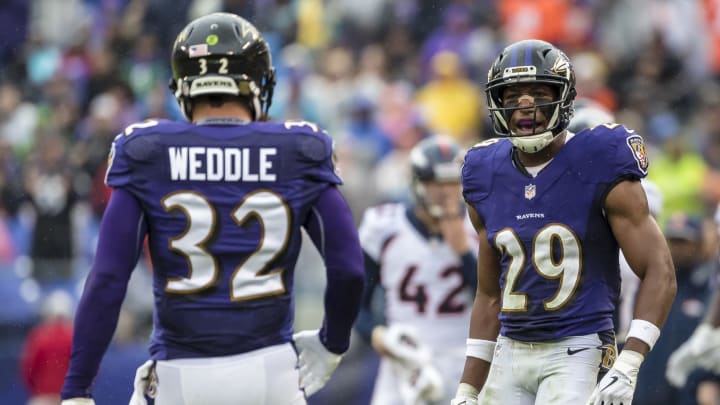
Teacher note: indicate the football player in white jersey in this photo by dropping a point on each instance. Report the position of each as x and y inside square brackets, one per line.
[421, 257]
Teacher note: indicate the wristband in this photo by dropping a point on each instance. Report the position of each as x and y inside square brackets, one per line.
[628, 362]
[645, 331]
[466, 390]
[480, 349]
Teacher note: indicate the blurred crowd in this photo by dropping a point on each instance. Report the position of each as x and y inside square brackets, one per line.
[379, 75]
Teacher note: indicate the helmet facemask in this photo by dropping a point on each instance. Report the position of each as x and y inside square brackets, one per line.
[546, 65]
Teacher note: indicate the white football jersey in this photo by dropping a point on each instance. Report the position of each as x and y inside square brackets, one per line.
[420, 275]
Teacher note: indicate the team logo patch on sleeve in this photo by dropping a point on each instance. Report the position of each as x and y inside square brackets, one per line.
[637, 147]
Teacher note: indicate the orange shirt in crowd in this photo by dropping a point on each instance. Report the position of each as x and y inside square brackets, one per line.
[712, 14]
[539, 19]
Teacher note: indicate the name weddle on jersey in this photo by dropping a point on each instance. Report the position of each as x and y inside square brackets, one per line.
[202, 163]
[222, 164]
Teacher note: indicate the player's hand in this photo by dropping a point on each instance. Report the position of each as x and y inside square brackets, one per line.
[701, 350]
[466, 395]
[141, 383]
[316, 363]
[618, 385]
[78, 401]
[401, 342]
[411, 363]
[452, 225]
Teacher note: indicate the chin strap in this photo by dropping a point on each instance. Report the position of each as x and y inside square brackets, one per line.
[533, 143]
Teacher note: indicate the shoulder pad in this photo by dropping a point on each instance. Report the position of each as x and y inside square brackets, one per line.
[142, 127]
[138, 147]
[625, 147]
[377, 225]
[486, 143]
[611, 130]
[479, 166]
[313, 142]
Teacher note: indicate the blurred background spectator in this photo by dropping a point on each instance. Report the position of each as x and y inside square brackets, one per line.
[46, 355]
[379, 75]
[695, 270]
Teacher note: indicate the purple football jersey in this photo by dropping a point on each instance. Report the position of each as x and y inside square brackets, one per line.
[558, 256]
[223, 206]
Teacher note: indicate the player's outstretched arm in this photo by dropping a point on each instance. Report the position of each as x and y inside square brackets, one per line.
[648, 255]
[332, 229]
[121, 233]
[484, 323]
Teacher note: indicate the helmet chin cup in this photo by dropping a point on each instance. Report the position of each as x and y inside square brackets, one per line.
[533, 143]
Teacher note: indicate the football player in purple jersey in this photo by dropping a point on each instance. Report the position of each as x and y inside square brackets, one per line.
[222, 199]
[552, 209]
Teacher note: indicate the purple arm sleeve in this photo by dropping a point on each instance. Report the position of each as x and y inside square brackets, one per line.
[121, 234]
[332, 229]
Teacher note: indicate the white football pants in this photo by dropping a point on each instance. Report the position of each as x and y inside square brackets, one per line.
[561, 372]
[266, 376]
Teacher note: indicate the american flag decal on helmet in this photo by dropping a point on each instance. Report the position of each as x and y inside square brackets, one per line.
[196, 51]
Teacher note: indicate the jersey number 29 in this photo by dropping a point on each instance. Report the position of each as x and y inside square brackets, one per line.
[565, 266]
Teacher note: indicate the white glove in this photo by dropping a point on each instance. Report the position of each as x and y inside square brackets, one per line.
[316, 363]
[403, 344]
[618, 385]
[78, 401]
[701, 350]
[141, 383]
[411, 362]
[416, 384]
[466, 395]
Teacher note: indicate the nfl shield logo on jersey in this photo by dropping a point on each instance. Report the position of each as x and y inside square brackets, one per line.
[530, 191]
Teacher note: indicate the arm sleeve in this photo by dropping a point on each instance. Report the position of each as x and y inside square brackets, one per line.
[369, 318]
[331, 227]
[121, 234]
[474, 175]
[469, 270]
[316, 157]
[118, 170]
